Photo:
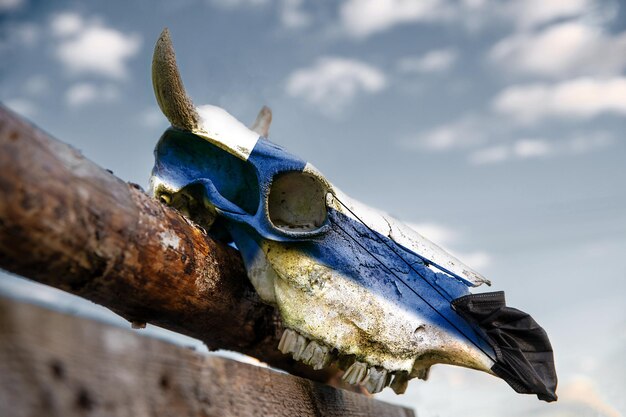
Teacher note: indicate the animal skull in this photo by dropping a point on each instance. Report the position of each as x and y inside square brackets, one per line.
[353, 285]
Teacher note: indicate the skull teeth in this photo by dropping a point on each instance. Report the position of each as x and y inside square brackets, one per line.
[377, 380]
[316, 355]
[422, 373]
[301, 349]
[356, 373]
[400, 382]
[373, 378]
[286, 341]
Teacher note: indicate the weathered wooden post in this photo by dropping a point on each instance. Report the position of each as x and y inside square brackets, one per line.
[54, 365]
[68, 223]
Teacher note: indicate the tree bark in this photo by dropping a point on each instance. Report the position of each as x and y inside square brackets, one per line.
[70, 224]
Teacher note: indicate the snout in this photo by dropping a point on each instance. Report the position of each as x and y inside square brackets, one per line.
[524, 356]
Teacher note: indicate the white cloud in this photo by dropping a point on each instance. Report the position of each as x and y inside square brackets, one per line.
[66, 24]
[589, 142]
[36, 85]
[9, 5]
[438, 60]
[577, 98]
[566, 49]
[447, 238]
[465, 132]
[361, 18]
[232, 4]
[520, 149]
[290, 12]
[333, 82]
[541, 148]
[86, 93]
[80, 94]
[531, 148]
[442, 235]
[292, 15]
[583, 391]
[529, 13]
[16, 37]
[21, 106]
[490, 155]
[489, 138]
[152, 118]
[89, 47]
[477, 260]
[26, 34]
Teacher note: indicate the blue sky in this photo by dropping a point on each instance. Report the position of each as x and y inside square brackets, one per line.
[495, 128]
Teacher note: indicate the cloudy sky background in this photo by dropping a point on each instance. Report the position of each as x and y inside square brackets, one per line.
[495, 128]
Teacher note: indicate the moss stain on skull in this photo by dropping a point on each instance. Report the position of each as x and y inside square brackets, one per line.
[323, 305]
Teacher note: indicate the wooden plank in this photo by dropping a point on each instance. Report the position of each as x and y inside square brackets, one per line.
[70, 224]
[52, 364]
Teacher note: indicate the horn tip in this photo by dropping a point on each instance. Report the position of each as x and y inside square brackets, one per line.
[168, 86]
[165, 36]
[263, 121]
[163, 47]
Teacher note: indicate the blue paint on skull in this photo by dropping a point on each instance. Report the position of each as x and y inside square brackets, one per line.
[240, 191]
[352, 285]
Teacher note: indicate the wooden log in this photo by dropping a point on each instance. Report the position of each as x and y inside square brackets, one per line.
[57, 365]
[70, 224]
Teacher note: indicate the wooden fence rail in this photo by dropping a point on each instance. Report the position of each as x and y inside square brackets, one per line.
[70, 224]
[56, 365]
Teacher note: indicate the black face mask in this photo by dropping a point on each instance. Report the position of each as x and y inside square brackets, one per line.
[523, 351]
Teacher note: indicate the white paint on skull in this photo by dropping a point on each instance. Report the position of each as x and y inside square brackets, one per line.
[169, 239]
[223, 130]
[402, 234]
[155, 183]
[262, 277]
[409, 238]
[324, 305]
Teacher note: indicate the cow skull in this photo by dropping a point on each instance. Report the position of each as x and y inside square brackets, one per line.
[353, 286]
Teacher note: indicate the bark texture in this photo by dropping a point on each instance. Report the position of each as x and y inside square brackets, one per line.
[70, 224]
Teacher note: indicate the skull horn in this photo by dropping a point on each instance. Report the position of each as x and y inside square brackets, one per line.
[262, 123]
[168, 86]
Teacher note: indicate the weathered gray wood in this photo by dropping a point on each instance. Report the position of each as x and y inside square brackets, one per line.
[70, 224]
[56, 365]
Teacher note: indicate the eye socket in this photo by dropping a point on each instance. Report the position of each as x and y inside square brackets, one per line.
[190, 202]
[297, 202]
[183, 158]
